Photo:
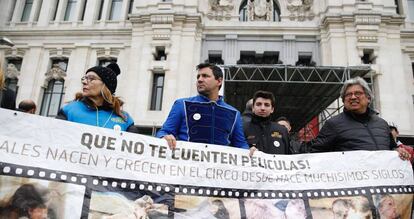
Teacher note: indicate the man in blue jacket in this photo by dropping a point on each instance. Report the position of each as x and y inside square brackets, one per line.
[204, 118]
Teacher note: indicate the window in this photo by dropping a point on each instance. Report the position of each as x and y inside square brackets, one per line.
[247, 57]
[215, 57]
[368, 57]
[116, 11]
[397, 6]
[12, 9]
[305, 59]
[84, 9]
[26, 10]
[62, 63]
[157, 91]
[55, 9]
[160, 53]
[131, 6]
[412, 67]
[267, 57]
[106, 62]
[100, 10]
[70, 10]
[52, 98]
[410, 10]
[243, 11]
[54, 92]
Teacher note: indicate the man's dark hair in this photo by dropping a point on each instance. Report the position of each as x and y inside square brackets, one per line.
[393, 127]
[26, 106]
[265, 95]
[216, 70]
[282, 118]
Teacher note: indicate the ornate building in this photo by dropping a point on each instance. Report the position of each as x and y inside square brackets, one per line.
[158, 44]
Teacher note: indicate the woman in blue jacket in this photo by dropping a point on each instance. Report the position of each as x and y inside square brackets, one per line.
[97, 105]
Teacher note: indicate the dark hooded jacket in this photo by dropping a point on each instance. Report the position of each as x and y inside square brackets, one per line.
[349, 131]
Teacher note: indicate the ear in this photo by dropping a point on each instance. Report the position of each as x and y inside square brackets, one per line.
[273, 109]
[220, 81]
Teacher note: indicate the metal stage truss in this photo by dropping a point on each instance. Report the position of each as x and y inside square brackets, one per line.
[301, 92]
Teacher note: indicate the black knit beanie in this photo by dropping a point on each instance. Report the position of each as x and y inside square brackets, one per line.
[108, 75]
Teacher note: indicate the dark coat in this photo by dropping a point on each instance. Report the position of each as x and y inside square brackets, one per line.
[267, 136]
[8, 100]
[348, 131]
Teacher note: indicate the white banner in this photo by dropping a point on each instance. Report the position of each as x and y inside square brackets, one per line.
[95, 159]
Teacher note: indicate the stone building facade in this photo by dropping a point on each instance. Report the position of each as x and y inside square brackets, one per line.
[158, 44]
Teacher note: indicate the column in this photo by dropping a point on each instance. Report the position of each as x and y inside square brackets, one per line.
[46, 12]
[230, 54]
[78, 12]
[290, 54]
[60, 11]
[105, 11]
[124, 11]
[17, 13]
[34, 12]
[91, 12]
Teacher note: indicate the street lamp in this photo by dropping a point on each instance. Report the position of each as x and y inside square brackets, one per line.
[6, 41]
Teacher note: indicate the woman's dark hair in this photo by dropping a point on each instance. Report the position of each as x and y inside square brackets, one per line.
[25, 198]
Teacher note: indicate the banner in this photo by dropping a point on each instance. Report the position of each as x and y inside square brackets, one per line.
[51, 168]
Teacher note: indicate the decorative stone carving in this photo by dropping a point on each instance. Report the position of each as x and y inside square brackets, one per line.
[12, 72]
[220, 9]
[54, 73]
[300, 10]
[260, 10]
[107, 53]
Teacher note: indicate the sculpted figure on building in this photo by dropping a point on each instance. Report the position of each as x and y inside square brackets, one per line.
[260, 10]
[300, 9]
[220, 9]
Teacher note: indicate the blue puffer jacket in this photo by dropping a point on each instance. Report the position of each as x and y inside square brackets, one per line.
[197, 119]
[80, 112]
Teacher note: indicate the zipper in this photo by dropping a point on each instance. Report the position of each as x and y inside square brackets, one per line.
[372, 136]
[212, 122]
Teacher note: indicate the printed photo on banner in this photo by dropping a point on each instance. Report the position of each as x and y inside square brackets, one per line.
[37, 199]
[190, 207]
[341, 207]
[393, 206]
[134, 204]
[275, 208]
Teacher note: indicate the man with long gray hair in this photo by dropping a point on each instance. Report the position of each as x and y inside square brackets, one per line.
[357, 127]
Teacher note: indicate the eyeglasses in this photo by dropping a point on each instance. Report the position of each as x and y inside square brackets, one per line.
[357, 94]
[89, 78]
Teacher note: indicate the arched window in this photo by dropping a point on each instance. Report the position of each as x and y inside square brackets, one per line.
[244, 10]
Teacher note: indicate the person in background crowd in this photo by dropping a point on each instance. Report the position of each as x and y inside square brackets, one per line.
[357, 127]
[261, 133]
[395, 134]
[204, 118]
[7, 96]
[386, 207]
[28, 201]
[295, 145]
[27, 106]
[97, 105]
[247, 113]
